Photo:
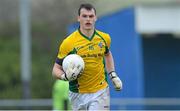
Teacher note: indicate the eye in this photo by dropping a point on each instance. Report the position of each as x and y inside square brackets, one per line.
[84, 16]
[91, 16]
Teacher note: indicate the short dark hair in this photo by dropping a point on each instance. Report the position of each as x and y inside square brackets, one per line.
[87, 6]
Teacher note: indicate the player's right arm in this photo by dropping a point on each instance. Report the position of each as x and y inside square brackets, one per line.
[64, 49]
[58, 72]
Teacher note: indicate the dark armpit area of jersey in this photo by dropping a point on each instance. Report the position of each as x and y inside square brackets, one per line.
[107, 50]
[59, 61]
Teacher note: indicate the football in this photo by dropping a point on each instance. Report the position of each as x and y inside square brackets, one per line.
[73, 65]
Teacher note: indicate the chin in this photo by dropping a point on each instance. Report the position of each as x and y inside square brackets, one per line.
[88, 28]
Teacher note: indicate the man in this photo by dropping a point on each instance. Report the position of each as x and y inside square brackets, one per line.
[90, 91]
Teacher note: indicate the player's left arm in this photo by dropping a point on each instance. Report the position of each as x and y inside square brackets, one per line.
[110, 64]
[111, 71]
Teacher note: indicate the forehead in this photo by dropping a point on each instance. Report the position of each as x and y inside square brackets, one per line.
[87, 12]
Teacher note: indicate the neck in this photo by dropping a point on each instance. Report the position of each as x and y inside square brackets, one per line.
[87, 33]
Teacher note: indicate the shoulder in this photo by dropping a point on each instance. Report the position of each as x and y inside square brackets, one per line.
[67, 45]
[102, 33]
[68, 42]
[70, 38]
[105, 36]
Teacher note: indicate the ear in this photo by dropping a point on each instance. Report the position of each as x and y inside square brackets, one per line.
[78, 18]
[96, 18]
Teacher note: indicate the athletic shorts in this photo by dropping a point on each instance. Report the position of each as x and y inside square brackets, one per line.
[90, 101]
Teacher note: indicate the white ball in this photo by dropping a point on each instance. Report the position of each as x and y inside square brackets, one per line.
[73, 60]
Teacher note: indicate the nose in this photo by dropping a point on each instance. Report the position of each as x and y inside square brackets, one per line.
[88, 18]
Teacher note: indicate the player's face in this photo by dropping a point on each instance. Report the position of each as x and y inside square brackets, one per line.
[87, 19]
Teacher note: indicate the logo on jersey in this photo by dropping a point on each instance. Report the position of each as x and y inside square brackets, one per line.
[100, 44]
[91, 47]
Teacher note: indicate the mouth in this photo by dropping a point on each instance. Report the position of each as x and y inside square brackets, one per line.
[88, 24]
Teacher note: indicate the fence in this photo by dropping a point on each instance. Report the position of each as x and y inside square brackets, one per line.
[122, 103]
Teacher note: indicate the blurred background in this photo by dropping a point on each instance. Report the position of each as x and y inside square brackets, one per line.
[145, 44]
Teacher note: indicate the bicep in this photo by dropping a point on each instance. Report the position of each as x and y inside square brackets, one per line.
[57, 67]
[109, 62]
[108, 58]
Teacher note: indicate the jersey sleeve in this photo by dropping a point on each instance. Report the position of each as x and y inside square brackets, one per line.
[64, 49]
[107, 39]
